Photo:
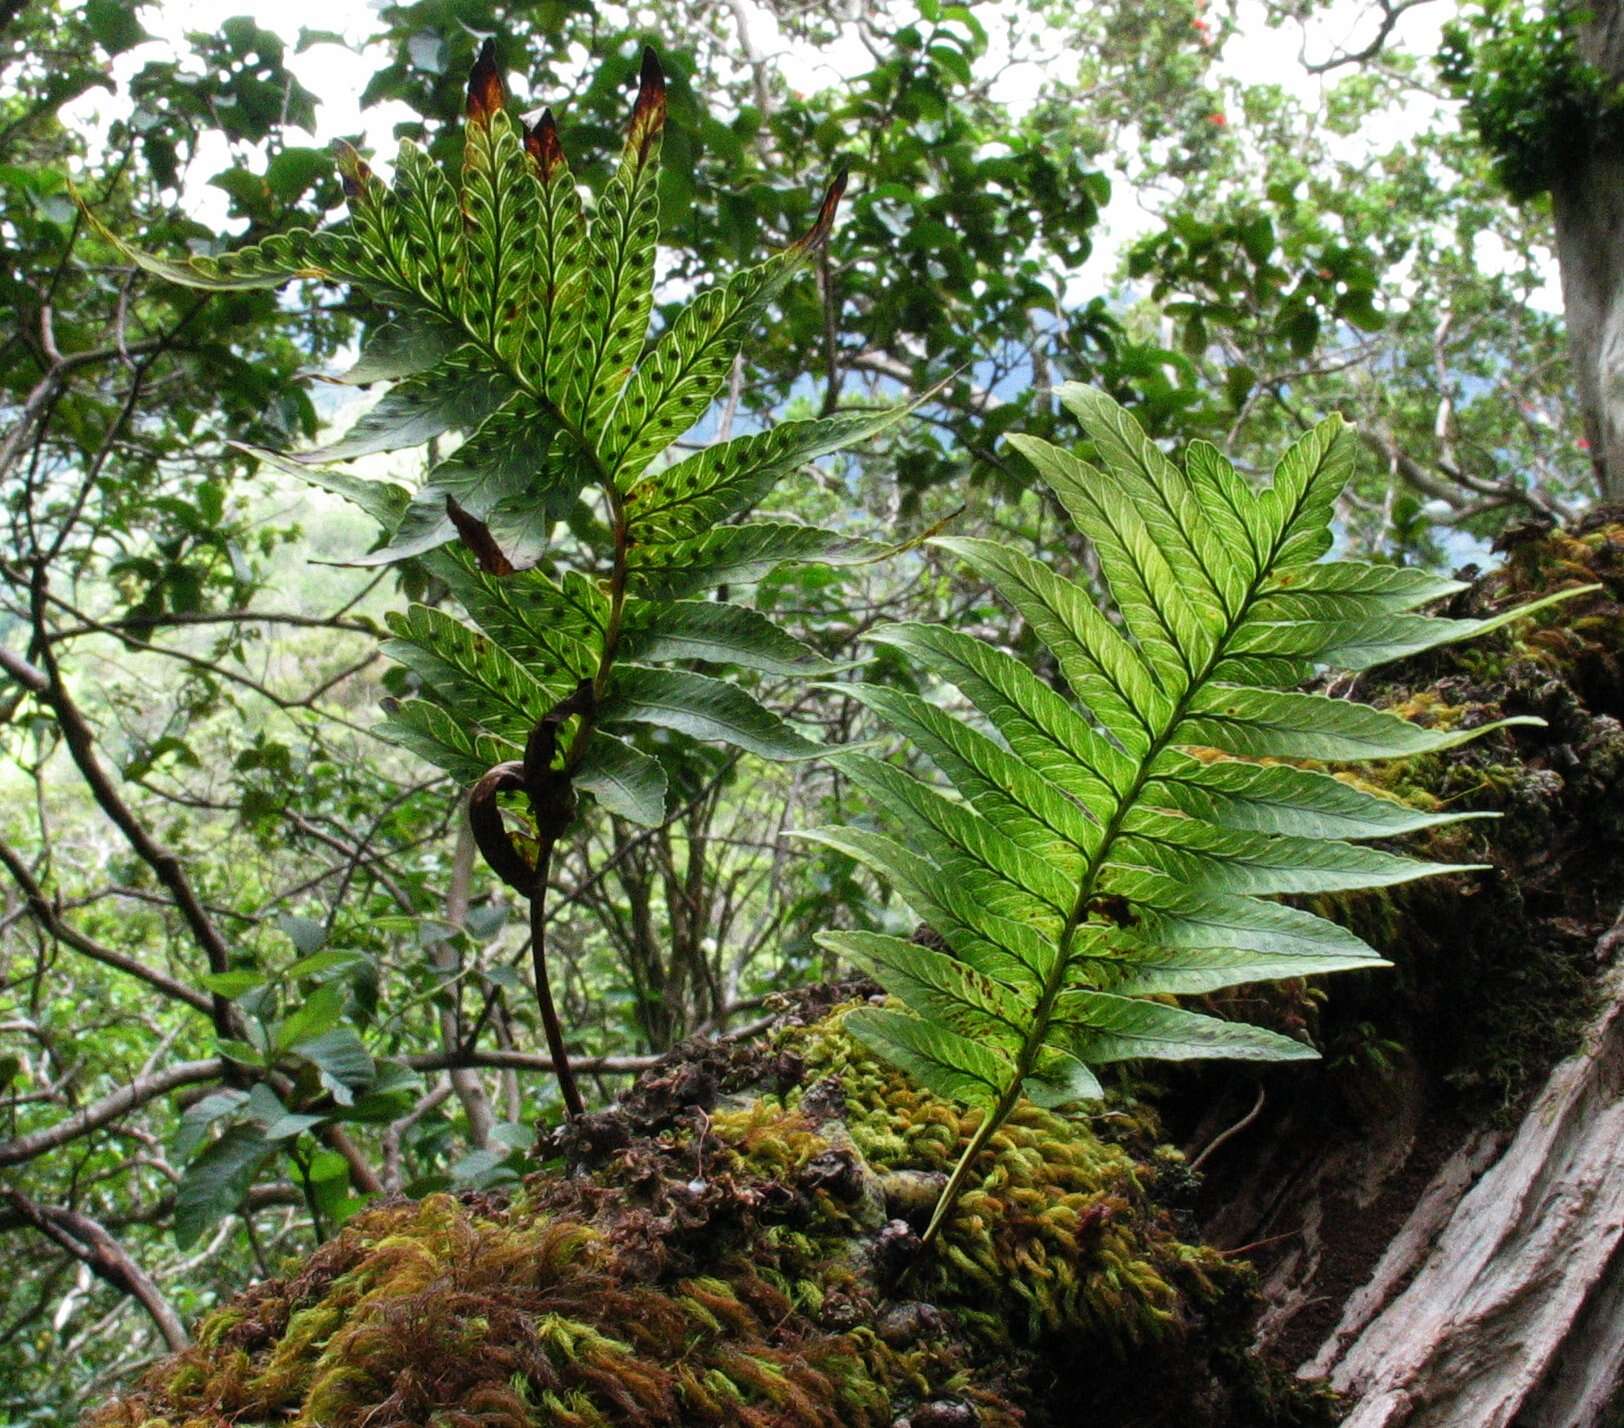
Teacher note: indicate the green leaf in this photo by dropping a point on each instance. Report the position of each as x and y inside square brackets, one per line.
[213, 1185]
[305, 933]
[342, 1060]
[113, 25]
[501, 205]
[431, 732]
[1103, 1028]
[1099, 664]
[1038, 725]
[716, 632]
[384, 501]
[619, 290]
[319, 1014]
[1093, 847]
[408, 344]
[940, 1060]
[275, 1121]
[702, 708]
[626, 781]
[297, 253]
[198, 1117]
[390, 1094]
[294, 170]
[940, 989]
[1277, 798]
[457, 394]
[695, 495]
[432, 248]
[472, 675]
[553, 334]
[324, 962]
[1285, 724]
[1060, 1079]
[231, 985]
[1003, 788]
[1206, 855]
[945, 829]
[239, 1051]
[675, 384]
[553, 625]
[517, 472]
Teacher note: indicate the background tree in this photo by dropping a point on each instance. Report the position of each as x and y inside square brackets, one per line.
[1544, 90]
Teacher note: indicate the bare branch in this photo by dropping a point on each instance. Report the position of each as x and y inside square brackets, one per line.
[99, 1113]
[1390, 13]
[91, 1245]
[48, 917]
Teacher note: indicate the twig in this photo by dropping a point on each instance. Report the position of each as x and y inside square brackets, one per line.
[1233, 1131]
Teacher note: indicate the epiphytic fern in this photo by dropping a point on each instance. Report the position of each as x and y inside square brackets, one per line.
[521, 322]
[1112, 841]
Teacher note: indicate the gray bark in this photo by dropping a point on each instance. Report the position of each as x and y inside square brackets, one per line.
[1499, 1303]
[1588, 205]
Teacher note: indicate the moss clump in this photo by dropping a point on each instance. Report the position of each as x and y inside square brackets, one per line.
[1058, 1236]
[734, 1247]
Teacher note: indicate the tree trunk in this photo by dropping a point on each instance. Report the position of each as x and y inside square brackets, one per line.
[1512, 1315]
[1587, 199]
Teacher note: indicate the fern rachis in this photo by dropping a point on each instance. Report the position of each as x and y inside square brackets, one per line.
[1112, 843]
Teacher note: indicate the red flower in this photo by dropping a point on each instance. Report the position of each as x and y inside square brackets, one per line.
[1217, 120]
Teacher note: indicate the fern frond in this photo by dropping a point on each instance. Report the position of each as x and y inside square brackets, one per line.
[519, 323]
[1119, 838]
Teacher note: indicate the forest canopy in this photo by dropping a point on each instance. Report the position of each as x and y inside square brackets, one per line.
[259, 968]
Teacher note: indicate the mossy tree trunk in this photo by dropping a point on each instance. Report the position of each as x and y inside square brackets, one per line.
[1437, 1213]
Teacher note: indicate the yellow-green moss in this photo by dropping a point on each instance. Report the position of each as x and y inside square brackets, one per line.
[541, 1312]
[1056, 1235]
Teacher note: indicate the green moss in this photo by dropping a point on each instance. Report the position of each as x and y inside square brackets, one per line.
[579, 1303]
[1058, 1236]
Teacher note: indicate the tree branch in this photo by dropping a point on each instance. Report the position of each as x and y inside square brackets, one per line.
[99, 1113]
[46, 914]
[91, 1245]
[165, 865]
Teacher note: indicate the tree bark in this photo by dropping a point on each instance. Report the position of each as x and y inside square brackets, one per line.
[1587, 199]
[1515, 1285]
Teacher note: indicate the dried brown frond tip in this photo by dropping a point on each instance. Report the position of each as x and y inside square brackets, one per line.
[826, 213]
[648, 113]
[486, 94]
[353, 170]
[542, 144]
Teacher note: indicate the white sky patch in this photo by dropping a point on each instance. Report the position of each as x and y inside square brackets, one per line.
[336, 75]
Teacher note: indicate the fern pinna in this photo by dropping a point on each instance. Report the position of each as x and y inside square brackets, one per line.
[1109, 842]
[521, 322]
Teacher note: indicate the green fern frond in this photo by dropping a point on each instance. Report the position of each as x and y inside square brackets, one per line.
[1117, 838]
[519, 322]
